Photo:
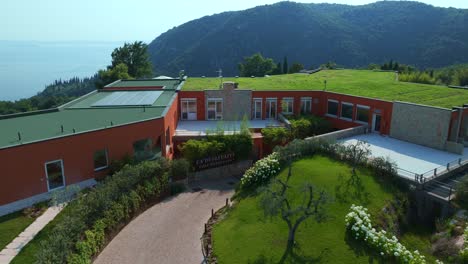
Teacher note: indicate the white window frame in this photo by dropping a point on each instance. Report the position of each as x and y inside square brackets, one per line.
[268, 102]
[304, 101]
[338, 104]
[287, 100]
[356, 120]
[352, 111]
[107, 160]
[47, 175]
[255, 100]
[215, 100]
[187, 100]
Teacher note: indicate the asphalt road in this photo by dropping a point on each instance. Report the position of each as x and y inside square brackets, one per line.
[169, 232]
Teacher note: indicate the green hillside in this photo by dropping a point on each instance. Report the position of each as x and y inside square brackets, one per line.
[381, 85]
[353, 36]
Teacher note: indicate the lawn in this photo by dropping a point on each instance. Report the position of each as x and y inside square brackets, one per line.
[12, 225]
[381, 85]
[28, 253]
[245, 235]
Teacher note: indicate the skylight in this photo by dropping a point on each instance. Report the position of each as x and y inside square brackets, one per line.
[129, 98]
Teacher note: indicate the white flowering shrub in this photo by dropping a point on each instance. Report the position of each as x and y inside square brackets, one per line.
[464, 251]
[261, 171]
[359, 224]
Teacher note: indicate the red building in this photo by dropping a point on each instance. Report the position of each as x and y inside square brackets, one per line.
[74, 144]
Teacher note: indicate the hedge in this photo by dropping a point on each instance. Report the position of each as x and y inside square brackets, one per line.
[81, 233]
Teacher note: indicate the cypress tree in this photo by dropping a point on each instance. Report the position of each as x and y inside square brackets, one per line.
[285, 65]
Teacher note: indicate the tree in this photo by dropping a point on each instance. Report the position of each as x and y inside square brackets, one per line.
[296, 67]
[357, 153]
[135, 56]
[276, 202]
[285, 65]
[461, 77]
[278, 70]
[119, 72]
[256, 65]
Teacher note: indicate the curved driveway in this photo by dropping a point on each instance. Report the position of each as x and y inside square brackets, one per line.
[170, 231]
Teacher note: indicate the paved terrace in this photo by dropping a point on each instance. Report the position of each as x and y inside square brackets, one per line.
[199, 128]
[410, 158]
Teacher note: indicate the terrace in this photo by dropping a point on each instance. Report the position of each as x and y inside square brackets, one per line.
[201, 128]
[414, 162]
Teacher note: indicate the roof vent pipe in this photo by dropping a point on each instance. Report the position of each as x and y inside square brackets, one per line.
[19, 136]
[74, 130]
[61, 126]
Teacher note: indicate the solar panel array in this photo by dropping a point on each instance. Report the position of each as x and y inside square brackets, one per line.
[129, 98]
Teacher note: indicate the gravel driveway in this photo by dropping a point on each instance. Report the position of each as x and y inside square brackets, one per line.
[170, 231]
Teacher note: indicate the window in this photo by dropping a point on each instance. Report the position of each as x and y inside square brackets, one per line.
[332, 108]
[100, 159]
[362, 114]
[287, 105]
[271, 108]
[54, 173]
[347, 111]
[215, 109]
[188, 109]
[257, 108]
[145, 150]
[306, 105]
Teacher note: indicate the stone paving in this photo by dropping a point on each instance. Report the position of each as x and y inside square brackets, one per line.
[170, 231]
[12, 249]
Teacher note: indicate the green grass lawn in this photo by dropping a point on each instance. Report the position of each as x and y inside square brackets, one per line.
[381, 85]
[11, 226]
[28, 253]
[245, 235]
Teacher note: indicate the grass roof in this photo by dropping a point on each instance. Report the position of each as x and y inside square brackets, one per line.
[381, 85]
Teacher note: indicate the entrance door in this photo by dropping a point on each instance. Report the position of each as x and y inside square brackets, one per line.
[376, 120]
[271, 108]
[188, 109]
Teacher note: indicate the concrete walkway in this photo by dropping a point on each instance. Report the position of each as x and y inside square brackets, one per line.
[12, 249]
[170, 231]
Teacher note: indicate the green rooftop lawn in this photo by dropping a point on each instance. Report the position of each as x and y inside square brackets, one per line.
[245, 235]
[381, 85]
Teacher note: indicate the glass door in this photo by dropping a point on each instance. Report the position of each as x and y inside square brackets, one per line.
[271, 105]
[188, 109]
[376, 120]
[257, 109]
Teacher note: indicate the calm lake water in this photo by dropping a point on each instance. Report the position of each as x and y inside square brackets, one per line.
[26, 67]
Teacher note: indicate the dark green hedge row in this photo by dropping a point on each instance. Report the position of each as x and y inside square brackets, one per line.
[82, 231]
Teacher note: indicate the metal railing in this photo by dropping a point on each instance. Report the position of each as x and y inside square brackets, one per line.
[433, 173]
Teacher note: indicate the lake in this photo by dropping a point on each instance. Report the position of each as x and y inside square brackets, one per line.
[26, 67]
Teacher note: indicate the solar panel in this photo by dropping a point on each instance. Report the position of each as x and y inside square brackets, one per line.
[129, 98]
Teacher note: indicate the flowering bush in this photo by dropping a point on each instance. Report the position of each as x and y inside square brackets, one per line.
[261, 171]
[464, 251]
[359, 224]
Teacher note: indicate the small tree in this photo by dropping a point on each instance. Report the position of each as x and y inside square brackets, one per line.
[256, 65]
[285, 65]
[357, 153]
[296, 67]
[276, 202]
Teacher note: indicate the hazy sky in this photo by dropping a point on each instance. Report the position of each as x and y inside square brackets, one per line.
[118, 20]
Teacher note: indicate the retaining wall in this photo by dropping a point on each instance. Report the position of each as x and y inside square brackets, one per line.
[232, 170]
[334, 136]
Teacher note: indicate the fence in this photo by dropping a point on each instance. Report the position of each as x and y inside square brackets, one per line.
[433, 173]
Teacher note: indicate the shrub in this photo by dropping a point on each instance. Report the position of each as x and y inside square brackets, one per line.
[260, 172]
[462, 193]
[359, 225]
[78, 235]
[179, 169]
[177, 188]
[464, 251]
[274, 136]
[300, 128]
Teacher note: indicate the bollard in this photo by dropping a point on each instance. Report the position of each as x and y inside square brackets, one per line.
[435, 171]
[459, 161]
[205, 228]
[227, 202]
[448, 166]
[212, 212]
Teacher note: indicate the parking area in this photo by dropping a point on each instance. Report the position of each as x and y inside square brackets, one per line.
[409, 157]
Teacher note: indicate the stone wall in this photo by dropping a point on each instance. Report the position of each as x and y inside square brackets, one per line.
[344, 133]
[420, 124]
[232, 170]
[236, 103]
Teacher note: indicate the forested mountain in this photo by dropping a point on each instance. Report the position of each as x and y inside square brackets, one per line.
[352, 36]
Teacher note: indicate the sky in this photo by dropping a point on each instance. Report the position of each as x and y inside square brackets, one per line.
[123, 20]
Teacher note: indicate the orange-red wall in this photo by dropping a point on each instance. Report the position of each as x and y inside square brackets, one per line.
[200, 96]
[22, 168]
[170, 122]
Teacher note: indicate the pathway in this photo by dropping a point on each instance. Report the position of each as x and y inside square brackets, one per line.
[12, 249]
[170, 231]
